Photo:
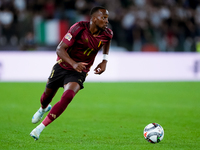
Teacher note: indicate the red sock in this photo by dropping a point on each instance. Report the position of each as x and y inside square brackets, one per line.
[59, 107]
[45, 100]
[46, 121]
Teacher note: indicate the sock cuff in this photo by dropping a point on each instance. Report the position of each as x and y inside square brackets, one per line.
[41, 126]
[46, 121]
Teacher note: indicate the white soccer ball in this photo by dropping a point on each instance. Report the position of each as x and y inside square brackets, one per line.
[153, 133]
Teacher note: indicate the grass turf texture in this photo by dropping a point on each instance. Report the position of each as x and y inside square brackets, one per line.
[104, 116]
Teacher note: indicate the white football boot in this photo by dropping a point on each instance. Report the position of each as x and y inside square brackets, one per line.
[35, 133]
[39, 114]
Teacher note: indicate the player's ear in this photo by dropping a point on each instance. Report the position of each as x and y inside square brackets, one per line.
[94, 19]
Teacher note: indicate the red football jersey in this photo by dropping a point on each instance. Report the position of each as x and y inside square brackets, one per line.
[83, 46]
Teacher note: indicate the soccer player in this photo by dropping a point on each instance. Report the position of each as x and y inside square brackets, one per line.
[76, 53]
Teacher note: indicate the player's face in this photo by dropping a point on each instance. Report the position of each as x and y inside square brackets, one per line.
[102, 19]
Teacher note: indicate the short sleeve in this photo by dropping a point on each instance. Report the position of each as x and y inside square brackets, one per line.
[70, 37]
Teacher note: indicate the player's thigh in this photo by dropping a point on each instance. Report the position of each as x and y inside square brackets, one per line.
[72, 86]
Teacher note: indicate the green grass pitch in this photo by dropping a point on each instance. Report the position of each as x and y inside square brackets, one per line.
[104, 116]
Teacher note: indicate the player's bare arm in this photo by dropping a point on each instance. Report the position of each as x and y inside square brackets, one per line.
[61, 52]
[101, 67]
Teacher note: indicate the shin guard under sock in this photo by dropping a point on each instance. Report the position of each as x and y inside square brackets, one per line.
[59, 107]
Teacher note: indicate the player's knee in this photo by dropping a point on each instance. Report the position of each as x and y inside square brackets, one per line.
[66, 99]
[68, 95]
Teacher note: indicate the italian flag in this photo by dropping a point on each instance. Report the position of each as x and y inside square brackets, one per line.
[50, 32]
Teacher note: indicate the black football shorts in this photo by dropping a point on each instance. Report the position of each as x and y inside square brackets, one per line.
[59, 77]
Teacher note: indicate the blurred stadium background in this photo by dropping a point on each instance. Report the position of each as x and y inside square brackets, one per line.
[138, 25]
[158, 39]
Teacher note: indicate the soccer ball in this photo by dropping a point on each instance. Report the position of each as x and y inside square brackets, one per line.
[153, 133]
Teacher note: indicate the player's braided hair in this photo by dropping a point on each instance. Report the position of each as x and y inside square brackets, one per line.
[95, 9]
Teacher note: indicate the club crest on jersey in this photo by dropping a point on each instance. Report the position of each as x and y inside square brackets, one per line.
[68, 36]
[86, 40]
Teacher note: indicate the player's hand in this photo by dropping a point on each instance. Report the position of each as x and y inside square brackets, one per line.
[80, 66]
[100, 68]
